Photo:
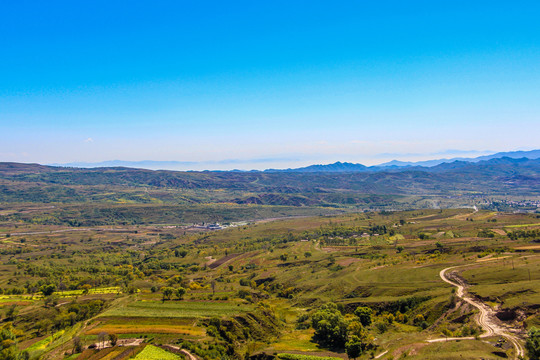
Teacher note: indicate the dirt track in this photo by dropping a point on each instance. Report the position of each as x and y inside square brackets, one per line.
[485, 316]
[189, 355]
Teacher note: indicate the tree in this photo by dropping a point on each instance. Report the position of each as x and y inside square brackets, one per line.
[167, 292]
[113, 338]
[355, 328]
[7, 337]
[51, 301]
[86, 288]
[354, 347]
[180, 253]
[364, 314]
[330, 327]
[77, 345]
[180, 292]
[533, 343]
[11, 312]
[8, 345]
[44, 326]
[360, 339]
[48, 290]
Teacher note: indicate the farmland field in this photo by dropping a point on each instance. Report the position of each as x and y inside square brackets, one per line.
[154, 353]
[180, 309]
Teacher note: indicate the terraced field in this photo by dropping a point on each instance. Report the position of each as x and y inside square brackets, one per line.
[154, 353]
[176, 309]
[149, 325]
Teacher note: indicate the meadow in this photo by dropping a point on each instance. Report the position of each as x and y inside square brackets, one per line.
[180, 309]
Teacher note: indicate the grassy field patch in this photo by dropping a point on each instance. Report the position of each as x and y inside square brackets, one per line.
[305, 357]
[151, 352]
[177, 309]
[464, 349]
[107, 290]
[134, 328]
[296, 341]
[521, 225]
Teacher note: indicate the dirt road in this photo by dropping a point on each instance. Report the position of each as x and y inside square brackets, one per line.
[486, 314]
[189, 355]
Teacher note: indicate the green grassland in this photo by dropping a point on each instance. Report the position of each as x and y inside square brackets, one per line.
[506, 281]
[154, 353]
[182, 309]
[254, 288]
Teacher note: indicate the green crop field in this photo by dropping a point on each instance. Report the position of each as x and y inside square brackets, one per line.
[154, 353]
[285, 356]
[179, 309]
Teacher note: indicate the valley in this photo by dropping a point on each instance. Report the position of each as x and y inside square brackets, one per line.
[257, 289]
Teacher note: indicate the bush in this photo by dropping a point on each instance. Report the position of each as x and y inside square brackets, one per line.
[381, 326]
[533, 344]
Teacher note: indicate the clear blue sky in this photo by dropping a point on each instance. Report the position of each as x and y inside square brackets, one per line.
[270, 84]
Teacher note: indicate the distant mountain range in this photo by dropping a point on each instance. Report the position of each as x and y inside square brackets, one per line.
[335, 167]
[143, 164]
[420, 165]
[495, 174]
[338, 184]
[533, 154]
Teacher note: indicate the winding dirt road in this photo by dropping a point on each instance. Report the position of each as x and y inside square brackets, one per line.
[485, 316]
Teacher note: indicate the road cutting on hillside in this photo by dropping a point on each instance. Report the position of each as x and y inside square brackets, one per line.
[485, 316]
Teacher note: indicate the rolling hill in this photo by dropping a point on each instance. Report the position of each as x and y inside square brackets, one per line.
[318, 185]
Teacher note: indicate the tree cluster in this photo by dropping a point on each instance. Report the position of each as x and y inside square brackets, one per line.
[334, 331]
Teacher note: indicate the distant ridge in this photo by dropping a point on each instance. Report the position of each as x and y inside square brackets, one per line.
[429, 165]
[532, 154]
[394, 165]
[335, 167]
[143, 164]
[339, 184]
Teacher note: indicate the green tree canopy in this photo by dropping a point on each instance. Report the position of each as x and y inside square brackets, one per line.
[48, 289]
[533, 344]
[364, 314]
[354, 347]
[8, 345]
[180, 292]
[167, 292]
[330, 327]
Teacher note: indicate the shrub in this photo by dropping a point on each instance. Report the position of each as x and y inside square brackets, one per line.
[533, 343]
